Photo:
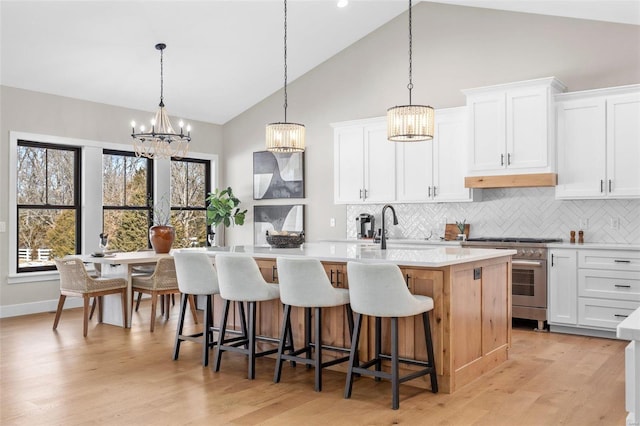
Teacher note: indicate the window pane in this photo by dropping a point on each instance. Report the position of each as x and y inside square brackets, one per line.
[188, 184]
[112, 180]
[124, 181]
[190, 226]
[128, 230]
[44, 234]
[60, 177]
[31, 182]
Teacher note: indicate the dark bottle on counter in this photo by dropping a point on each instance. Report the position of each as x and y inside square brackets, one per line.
[580, 237]
[573, 237]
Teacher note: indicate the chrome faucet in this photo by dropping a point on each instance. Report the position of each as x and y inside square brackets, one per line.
[383, 237]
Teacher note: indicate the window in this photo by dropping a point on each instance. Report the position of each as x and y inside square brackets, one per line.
[126, 194]
[190, 184]
[48, 204]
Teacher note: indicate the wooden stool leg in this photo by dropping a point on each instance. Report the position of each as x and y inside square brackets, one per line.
[167, 304]
[85, 315]
[93, 308]
[355, 339]
[100, 305]
[59, 310]
[154, 303]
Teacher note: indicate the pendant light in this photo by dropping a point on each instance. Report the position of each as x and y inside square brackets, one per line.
[162, 141]
[284, 136]
[410, 123]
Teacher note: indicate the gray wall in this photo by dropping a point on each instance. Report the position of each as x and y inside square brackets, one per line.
[39, 113]
[455, 48]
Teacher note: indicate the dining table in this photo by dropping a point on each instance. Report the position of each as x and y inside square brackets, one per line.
[123, 265]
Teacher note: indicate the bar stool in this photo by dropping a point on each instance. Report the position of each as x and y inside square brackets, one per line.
[379, 290]
[196, 277]
[304, 283]
[240, 280]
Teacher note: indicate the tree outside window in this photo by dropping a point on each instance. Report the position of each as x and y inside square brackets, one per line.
[190, 184]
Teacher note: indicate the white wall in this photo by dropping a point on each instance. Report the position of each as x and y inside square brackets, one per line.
[455, 48]
[39, 113]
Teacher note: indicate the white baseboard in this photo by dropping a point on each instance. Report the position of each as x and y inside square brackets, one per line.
[7, 311]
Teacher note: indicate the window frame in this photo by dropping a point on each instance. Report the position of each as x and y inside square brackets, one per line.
[76, 207]
[91, 208]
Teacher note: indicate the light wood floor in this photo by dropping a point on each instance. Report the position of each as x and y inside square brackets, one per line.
[118, 377]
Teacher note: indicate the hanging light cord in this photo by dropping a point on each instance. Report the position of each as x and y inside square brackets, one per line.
[161, 77]
[285, 61]
[410, 85]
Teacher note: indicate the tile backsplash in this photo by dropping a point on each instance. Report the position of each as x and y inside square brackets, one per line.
[513, 212]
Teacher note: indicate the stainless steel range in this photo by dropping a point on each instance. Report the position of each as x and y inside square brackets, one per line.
[529, 273]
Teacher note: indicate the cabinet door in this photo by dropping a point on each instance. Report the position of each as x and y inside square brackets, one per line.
[414, 171]
[379, 164]
[623, 146]
[527, 128]
[450, 147]
[487, 131]
[581, 148]
[348, 164]
[563, 287]
[268, 313]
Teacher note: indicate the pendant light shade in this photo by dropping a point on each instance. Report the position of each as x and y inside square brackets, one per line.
[161, 141]
[410, 123]
[284, 136]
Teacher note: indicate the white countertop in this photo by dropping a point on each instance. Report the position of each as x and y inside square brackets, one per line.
[398, 242]
[629, 329]
[595, 246]
[432, 257]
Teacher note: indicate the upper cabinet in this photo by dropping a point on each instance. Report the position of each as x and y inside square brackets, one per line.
[599, 143]
[370, 169]
[364, 163]
[511, 127]
[433, 171]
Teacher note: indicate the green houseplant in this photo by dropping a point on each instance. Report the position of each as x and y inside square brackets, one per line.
[222, 209]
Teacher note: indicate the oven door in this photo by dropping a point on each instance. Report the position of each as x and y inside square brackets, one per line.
[529, 283]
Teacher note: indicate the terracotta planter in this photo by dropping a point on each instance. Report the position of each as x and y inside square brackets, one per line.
[161, 238]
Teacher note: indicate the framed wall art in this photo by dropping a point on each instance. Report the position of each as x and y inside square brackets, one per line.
[278, 175]
[276, 218]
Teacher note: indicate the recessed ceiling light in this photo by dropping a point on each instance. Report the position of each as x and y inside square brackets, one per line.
[343, 3]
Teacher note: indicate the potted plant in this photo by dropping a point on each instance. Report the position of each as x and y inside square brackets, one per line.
[161, 234]
[462, 236]
[222, 209]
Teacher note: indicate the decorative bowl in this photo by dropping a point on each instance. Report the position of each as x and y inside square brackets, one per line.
[285, 241]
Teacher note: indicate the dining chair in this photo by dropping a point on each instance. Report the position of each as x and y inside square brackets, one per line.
[163, 281]
[76, 282]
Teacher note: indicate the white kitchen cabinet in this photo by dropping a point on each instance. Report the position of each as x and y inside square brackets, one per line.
[511, 127]
[433, 171]
[604, 287]
[364, 162]
[598, 149]
[562, 287]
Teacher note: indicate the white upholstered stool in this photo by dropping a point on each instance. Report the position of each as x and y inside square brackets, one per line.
[240, 280]
[379, 290]
[196, 277]
[304, 283]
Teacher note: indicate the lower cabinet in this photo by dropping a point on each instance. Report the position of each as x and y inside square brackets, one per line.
[591, 291]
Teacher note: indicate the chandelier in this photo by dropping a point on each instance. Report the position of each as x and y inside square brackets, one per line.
[161, 141]
[284, 136]
[410, 123]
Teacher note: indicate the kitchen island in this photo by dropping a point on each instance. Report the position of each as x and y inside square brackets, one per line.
[471, 290]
